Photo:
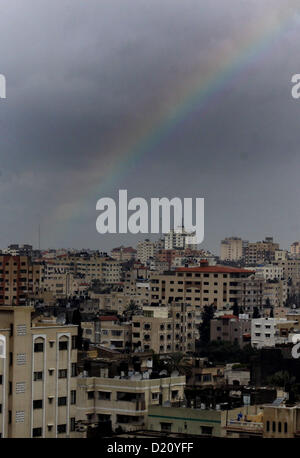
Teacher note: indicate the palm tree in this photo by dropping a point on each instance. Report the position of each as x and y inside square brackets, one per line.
[178, 362]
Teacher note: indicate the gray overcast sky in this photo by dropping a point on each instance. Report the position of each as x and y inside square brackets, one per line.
[87, 80]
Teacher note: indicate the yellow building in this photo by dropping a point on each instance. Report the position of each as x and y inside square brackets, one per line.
[38, 376]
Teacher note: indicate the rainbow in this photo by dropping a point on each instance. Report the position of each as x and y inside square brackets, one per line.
[205, 84]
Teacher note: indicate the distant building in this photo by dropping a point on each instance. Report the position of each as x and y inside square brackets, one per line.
[231, 249]
[230, 328]
[123, 253]
[295, 248]
[256, 252]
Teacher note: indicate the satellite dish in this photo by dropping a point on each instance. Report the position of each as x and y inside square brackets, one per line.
[136, 376]
[175, 373]
[163, 372]
[146, 375]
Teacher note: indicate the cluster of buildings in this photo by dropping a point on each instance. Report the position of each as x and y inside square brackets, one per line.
[103, 344]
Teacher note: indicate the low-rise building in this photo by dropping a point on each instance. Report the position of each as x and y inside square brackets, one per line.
[124, 401]
[231, 328]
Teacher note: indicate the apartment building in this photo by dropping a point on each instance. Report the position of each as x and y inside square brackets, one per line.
[124, 400]
[20, 278]
[115, 301]
[269, 271]
[198, 422]
[230, 328]
[123, 253]
[257, 252]
[38, 376]
[113, 333]
[137, 286]
[267, 332]
[295, 249]
[281, 421]
[199, 286]
[275, 292]
[145, 250]
[89, 267]
[252, 294]
[231, 249]
[165, 329]
[179, 238]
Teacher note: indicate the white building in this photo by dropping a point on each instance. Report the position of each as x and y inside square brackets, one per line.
[267, 332]
[179, 238]
[145, 250]
[269, 271]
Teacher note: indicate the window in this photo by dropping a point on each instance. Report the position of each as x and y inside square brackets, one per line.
[37, 432]
[74, 341]
[72, 424]
[268, 426]
[62, 373]
[63, 345]
[91, 395]
[73, 370]
[273, 426]
[165, 427]
[61, 429]
[37, 376]
[0, 379]
[73, 397]
[285, 427]
[104, 396]
[38, 347]
[37, 404]
[62, 401]
[279, 426]
[207, 430]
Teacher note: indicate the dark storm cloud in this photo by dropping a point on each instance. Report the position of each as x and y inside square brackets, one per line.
[83, 77]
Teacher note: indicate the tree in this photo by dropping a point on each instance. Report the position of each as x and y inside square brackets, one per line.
[178, 362]
[281, 379]
[131, 309]
[204, 328]
[256, 313]
[235, 309]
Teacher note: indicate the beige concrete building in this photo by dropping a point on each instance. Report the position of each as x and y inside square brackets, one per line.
[165, 329]
[124, 400]
[20, 278]
[145, 250]
[231, 249]
[201, 422]
[281, 421]
[93, 267]
[123, 253]
[38, 376]
[108, 331]
[230, 328]
[256, 252]
[199, 286]
[295, 248]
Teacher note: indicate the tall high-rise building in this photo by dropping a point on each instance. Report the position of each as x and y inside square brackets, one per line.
[231, 249]
[38, 376]
[20, 278]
